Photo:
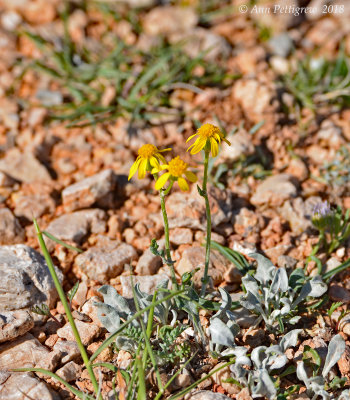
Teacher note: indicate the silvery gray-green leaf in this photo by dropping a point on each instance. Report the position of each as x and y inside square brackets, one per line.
[336, 349]
[290, 339]
[126, 344]
[265, 269]
[265, 386]
[258, 356]
[280, 281]
[220, 333]
[344, 395]
[251, 285]
[108, 316]
[112, 298]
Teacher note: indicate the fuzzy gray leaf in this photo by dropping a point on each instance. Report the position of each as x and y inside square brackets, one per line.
[265, 269]
[258, 356]
[251, 285]
[220, 333]
[290, 339]
[112, 298]
[336, 349]
[126, 344]
[315, 288]
[108, 316]
[302, 375]
[265, 386]
[318, 287]
[280, 281]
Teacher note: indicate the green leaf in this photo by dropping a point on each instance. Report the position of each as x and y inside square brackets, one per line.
[73, 292]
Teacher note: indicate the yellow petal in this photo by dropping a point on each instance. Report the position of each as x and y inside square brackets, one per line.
[183, 184]
[168, 149]
[198, 145]
[154, 162]
[192, 136]
[133, 168]
[143, 168]
[161, 181]
[191, 176]
[214, 147]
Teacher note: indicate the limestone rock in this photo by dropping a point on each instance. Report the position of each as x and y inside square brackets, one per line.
[147, 283]
[33, 206]
[274, 190]
[241, 144]
[246, 91]
[25, 279]
[180, 236]
[102, 264]
[168, 19]
[98, 189]
[199, 40]
[69, 372]
[187, 210]
[14, 323]
[76, 226]
[88, 332]
[21, 386]
[24, 352]
[299, 213]
[23, 167]
[148, 263]
[219, 266]
[68, 349]
[11, 231]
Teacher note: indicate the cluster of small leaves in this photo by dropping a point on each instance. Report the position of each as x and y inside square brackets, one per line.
[263, 362]
[317, 385]
[317, 81]
[333, 227]
[336, 173]
[274, 296]
[172, 351]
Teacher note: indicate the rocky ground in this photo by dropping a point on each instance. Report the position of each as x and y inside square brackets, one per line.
[73, 179]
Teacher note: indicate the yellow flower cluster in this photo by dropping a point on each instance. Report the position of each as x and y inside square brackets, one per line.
[150, 159]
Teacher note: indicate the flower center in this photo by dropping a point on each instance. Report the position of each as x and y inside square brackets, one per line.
[147, 151]
[208, 130]
[177, 167]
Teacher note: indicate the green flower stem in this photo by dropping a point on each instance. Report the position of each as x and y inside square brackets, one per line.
[64, 301]
[162, 194]
[205, 279]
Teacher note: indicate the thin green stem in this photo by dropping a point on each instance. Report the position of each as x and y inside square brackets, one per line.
[205, 279]
[64, 301]
[162, 194]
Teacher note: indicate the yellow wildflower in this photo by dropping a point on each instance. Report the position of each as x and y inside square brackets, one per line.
[148, 158]
[176, 169]
[210, 135]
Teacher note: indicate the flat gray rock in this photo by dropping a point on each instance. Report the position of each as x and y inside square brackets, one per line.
[101, 264]
[11, 231]
[24, 167]
[25, 279]
[98, 189]
[274, 190]
[24, 386]
[14, 323]
[147, 284]
[24, 352]
[76, 226]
